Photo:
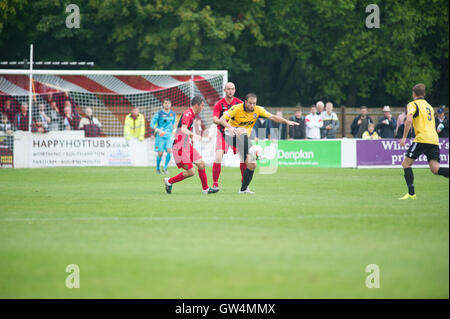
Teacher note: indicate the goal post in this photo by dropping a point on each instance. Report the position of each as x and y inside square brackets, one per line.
[111, 94]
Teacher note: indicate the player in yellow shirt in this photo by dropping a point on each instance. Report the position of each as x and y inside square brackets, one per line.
[238, 122]
[421, 115]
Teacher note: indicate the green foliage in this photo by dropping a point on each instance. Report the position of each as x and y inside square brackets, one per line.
[286, 51]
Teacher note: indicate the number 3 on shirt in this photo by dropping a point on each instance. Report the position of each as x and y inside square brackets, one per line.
[429, 114]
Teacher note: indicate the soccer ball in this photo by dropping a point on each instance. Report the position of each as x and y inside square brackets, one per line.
[256, 152]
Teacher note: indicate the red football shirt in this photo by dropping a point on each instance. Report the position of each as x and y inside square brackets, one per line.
[186, 119]
[221, 107]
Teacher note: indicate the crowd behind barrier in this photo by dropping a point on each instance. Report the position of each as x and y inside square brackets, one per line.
[319, 121]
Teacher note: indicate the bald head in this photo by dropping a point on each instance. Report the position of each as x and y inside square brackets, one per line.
[229, 90]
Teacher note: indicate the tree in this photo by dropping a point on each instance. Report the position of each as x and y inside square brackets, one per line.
[286, 51]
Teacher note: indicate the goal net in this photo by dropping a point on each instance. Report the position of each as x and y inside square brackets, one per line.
[110, 94]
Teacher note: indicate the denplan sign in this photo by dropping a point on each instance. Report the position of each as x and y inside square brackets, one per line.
[317, 153]
[388, 152]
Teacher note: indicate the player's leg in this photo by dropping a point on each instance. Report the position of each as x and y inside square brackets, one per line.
[409, 177]
[243, 147]
[166, 147]
[433, 156]
[202, 174]
[159, 153]
[189, 171]
[183, 160]
[168, 157]
[158, 162]
[217, 167]
[242, 165]
[198, 161]
[436, 168]
[414, 151]
[410, 156]
[221, 149]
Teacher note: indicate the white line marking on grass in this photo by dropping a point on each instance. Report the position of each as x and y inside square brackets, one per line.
[205, 218]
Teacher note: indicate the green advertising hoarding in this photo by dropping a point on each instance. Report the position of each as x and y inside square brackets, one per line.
[311, 153]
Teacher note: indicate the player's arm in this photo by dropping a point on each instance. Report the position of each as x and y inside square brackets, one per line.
[184, 130]
[282, 120]
[154, 123]
[224, 122]
[216, 114]
[408, 123]
[226, 117]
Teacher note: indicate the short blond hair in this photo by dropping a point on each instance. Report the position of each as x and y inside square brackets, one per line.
[419, 90]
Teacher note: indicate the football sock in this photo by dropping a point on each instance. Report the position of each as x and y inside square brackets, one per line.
[168, 157]
[203, 178]
[409, 178]
[216, 172]
[248, 175]
[158, 162]
[176, 179]
[443, 171]
[243, 166]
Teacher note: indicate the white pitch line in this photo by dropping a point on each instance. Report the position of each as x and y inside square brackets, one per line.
[205, 218]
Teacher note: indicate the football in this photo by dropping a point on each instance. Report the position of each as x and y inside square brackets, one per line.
[256, 152]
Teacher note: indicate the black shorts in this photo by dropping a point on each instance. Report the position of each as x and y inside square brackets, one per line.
[430, 150]
[241, 142]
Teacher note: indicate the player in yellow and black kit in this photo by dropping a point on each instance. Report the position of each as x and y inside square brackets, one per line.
[421, 115]
[238, 122]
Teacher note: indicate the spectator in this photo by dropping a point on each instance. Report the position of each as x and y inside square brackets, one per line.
[401, 129]
[43, 117]
[400, 120]
[360, 123]
[279, 130]
[386, 124]
[56, 121]
[441, 122]
[37, 126]
[262, 128]
[21, 121]
[9, 110]
[370, 134]
[313, 124]
[401, 126]
[90, 124]
[71, 119]
[330, 122]
[134, 125]
[319, 106]
[6, 126]
[297, 132]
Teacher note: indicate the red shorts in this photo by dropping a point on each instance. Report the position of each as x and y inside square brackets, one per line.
[185, 156]
[222, 145]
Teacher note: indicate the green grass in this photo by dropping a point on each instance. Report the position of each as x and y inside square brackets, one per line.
[306, 233]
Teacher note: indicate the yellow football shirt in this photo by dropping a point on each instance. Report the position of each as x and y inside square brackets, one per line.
[238, 117]
[423, 122]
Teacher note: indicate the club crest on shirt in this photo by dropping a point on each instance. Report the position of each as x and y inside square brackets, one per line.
[254, 115]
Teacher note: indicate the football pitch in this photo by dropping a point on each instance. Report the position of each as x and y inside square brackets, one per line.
[306, 233]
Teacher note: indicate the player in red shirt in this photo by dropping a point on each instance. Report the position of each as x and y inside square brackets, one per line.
[184, 152]
[221, 146]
